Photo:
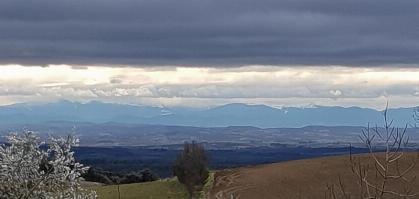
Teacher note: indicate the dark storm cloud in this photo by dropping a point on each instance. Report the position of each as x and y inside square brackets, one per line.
[209, 32]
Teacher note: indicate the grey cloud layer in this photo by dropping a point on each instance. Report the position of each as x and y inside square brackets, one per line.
[209, 32]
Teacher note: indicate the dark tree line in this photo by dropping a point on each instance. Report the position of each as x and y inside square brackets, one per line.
[107, 177]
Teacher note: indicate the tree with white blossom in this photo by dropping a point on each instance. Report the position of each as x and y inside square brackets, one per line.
[30, 168]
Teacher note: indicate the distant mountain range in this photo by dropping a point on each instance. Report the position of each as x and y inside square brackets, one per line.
[227, 115]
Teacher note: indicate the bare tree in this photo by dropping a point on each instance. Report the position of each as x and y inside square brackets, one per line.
[386, 177]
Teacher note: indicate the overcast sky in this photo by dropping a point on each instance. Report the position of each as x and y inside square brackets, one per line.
[209, 52]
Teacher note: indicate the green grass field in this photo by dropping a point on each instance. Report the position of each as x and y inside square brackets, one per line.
[162, 189]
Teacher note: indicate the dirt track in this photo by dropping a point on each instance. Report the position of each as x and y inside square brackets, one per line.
[301, 179]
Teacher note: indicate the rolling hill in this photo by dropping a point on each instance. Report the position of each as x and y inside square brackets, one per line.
[306, 179]
[297, 179]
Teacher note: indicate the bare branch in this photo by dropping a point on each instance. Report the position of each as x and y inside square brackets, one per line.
[387, 165]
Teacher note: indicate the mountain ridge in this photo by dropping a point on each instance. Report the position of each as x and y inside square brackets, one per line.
[235, 114]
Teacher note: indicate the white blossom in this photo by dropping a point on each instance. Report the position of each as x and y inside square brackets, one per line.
[30, 168]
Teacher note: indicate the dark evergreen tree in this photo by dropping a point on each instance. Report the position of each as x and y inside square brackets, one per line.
[191, 167]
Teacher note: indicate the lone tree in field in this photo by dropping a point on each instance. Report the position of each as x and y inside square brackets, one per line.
[30, 168]
[191, 167]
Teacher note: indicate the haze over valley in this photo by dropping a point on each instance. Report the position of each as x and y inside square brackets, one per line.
[238, 125]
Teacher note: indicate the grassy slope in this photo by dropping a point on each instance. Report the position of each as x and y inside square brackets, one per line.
[300, 179]
[161, 189]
